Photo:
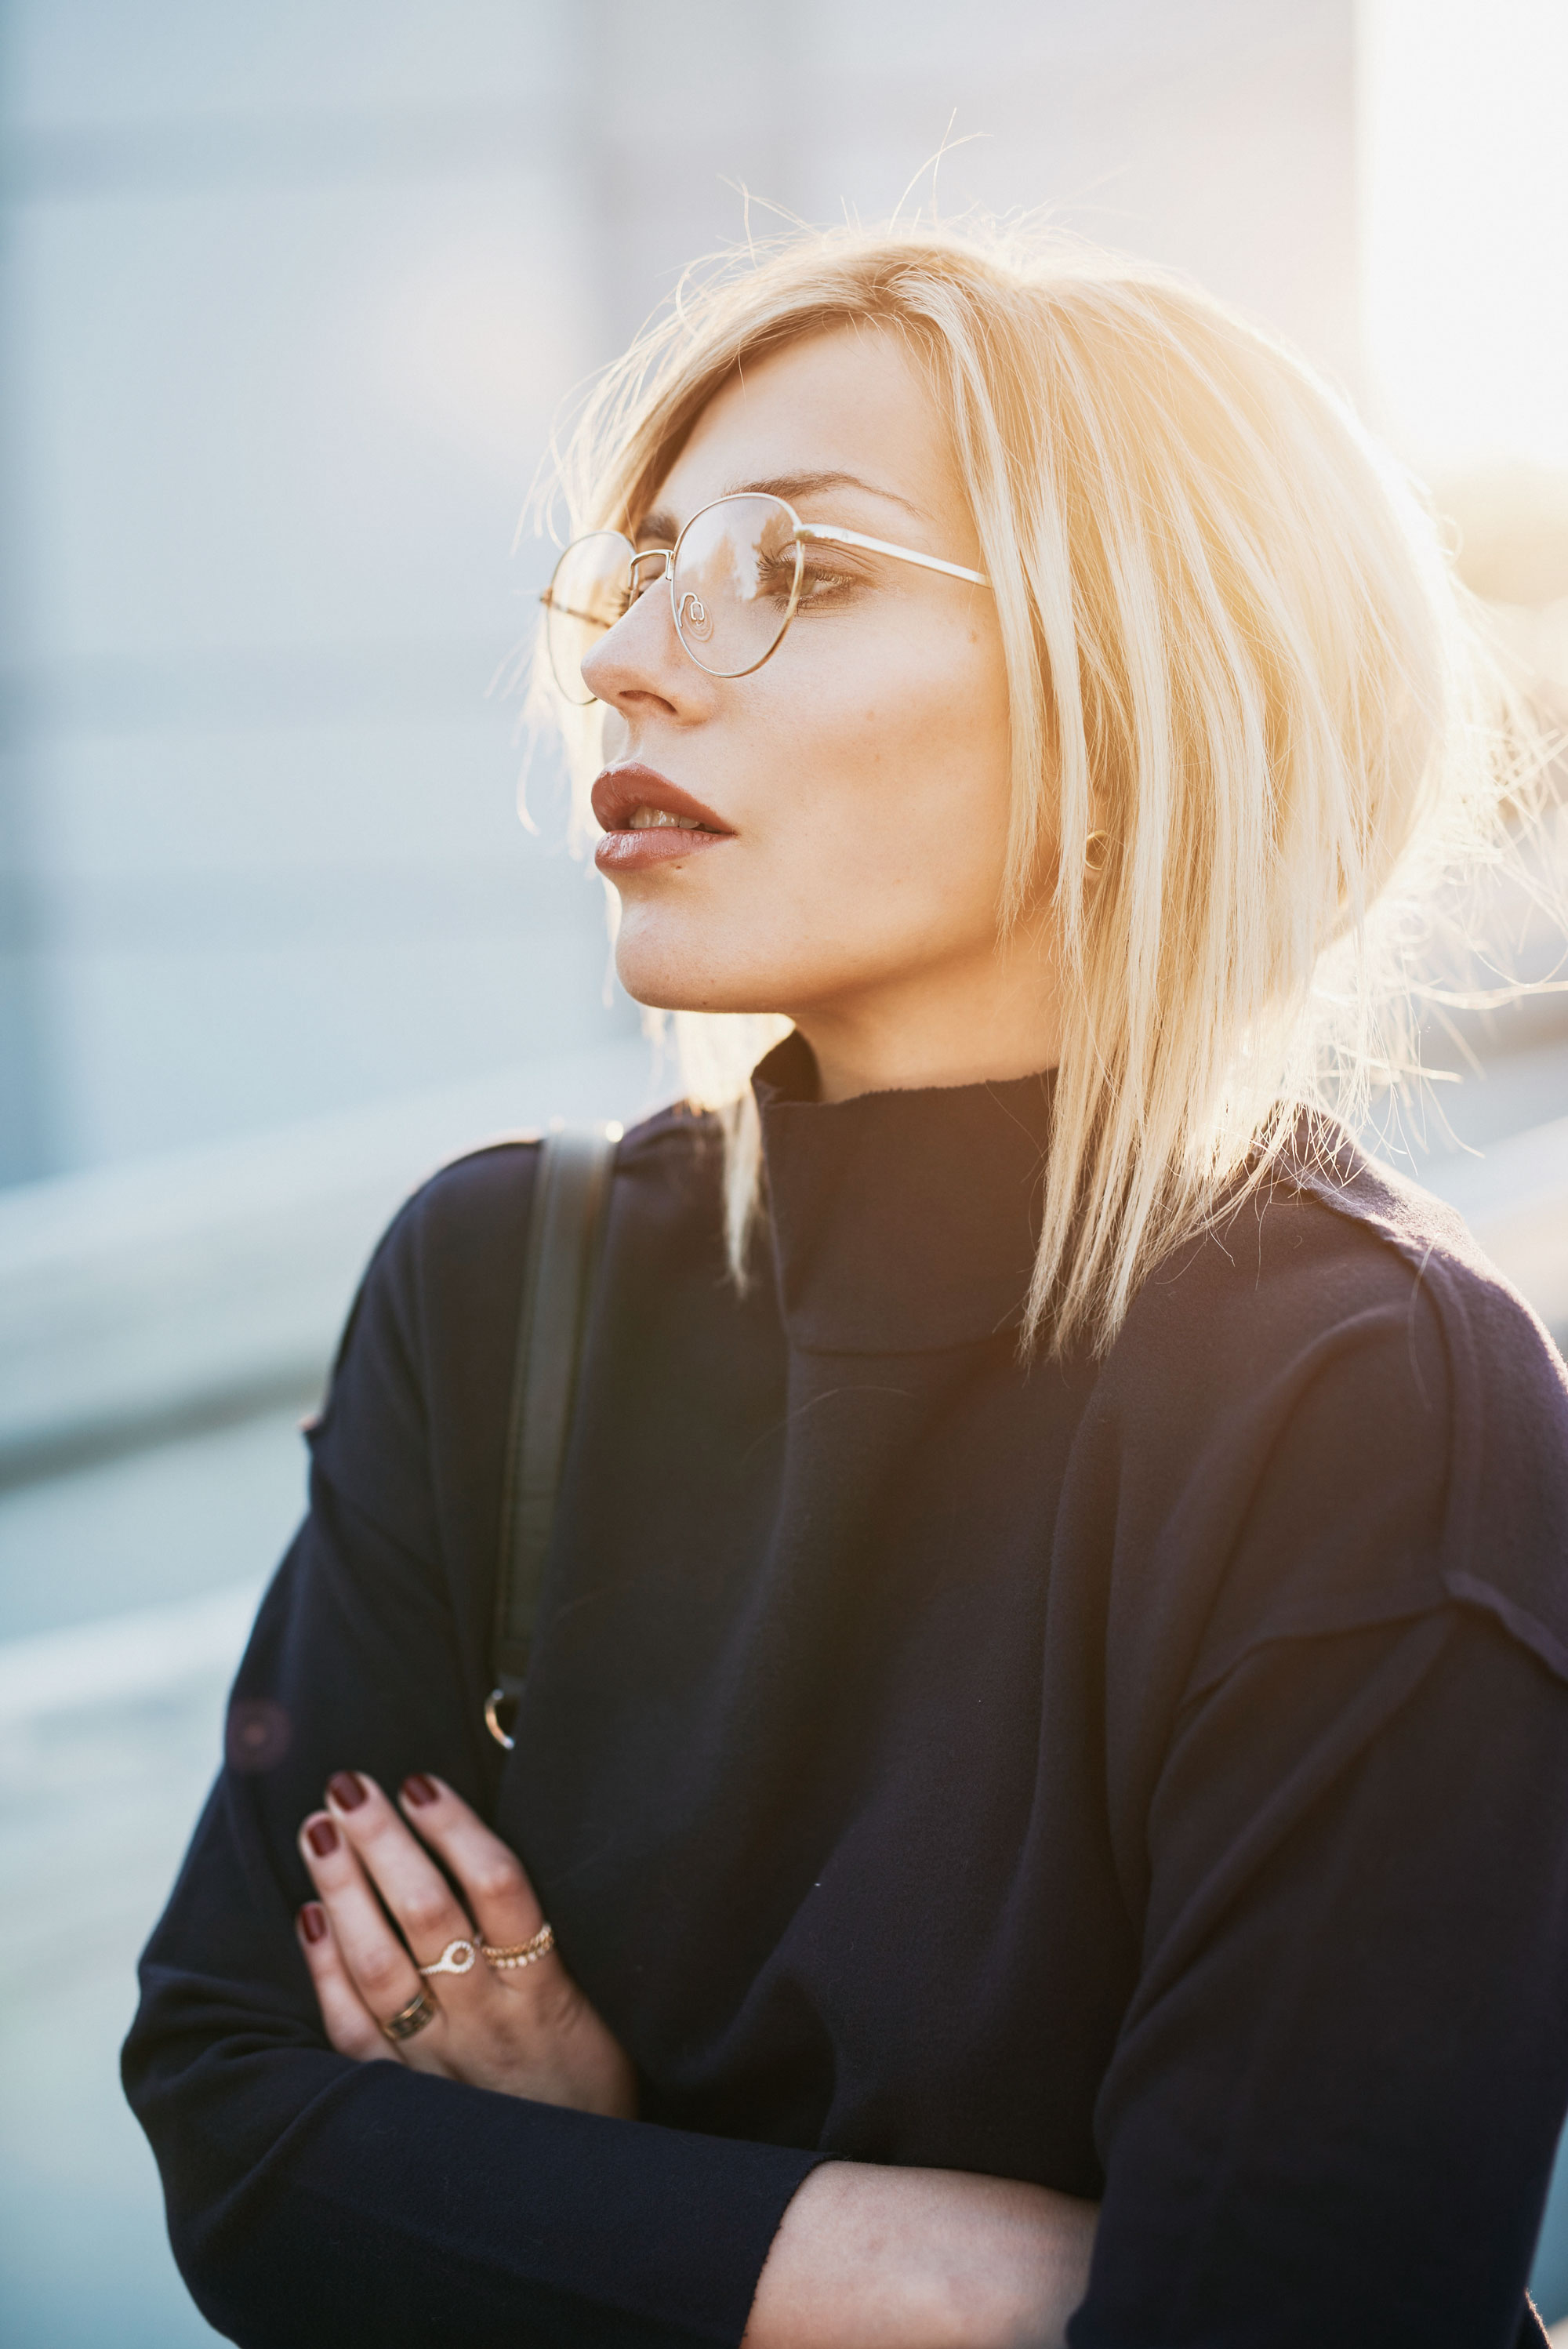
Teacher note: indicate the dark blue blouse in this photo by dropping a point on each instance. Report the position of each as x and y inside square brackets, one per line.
[1146, 1776]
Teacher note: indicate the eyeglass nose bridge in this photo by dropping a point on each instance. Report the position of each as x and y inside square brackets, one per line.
[691, 614]
[662, 555]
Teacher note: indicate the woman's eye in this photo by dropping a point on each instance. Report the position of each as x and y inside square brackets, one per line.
[818, 583]
[776, 577]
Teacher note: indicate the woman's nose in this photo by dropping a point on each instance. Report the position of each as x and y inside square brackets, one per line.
[640, 658]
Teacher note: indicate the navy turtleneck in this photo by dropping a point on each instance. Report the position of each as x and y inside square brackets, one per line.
[901, 1221]
[1145, 1776]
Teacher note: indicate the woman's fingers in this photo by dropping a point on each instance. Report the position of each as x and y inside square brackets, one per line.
[350, 2027]
[523, 2030]
[495, 1886]
[407, 1878]
[383, 1972]
[359, 1848]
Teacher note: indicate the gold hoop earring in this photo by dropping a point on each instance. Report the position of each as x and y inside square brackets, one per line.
[1095, 849]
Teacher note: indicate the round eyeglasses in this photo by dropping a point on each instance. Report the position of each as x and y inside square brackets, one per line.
[736, 577]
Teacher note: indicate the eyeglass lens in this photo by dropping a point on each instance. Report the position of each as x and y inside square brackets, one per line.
[587, 596]
[737, 573]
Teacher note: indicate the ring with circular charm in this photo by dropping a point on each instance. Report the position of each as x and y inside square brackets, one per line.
[459, 1957]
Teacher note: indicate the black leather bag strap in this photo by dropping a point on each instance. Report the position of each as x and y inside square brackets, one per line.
[565, 1236]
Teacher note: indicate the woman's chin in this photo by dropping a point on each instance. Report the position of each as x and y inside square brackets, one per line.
[671, 995]
[663, 965]
[673, 981]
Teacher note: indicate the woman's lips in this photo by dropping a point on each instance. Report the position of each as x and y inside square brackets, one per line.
[633, 852]
[649, 820]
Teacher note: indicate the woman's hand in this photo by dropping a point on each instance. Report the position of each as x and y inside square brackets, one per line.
[527, 2030]
[874, 2257]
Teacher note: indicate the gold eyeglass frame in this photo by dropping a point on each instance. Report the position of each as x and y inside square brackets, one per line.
[802, 534]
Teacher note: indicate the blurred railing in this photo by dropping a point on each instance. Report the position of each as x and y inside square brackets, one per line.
[145, 1302]
[1515, 1200]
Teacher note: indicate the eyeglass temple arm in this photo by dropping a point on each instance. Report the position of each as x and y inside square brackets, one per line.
[824, 533]
[593, 619]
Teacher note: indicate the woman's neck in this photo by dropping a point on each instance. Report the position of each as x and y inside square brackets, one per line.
[1000, 1020]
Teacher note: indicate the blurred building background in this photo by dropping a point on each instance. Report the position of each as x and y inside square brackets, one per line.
[289, 297]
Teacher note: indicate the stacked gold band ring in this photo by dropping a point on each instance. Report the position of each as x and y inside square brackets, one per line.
[411, 2019]
[523, 1953]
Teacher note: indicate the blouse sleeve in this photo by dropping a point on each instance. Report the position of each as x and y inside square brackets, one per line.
[1331, 2110]
[313, 2199]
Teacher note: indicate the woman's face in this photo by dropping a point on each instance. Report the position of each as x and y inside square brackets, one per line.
[858, 782]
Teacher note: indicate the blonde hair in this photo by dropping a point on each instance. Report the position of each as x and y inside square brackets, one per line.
[1234, 648]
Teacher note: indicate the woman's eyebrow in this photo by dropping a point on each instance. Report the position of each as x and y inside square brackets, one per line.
[791, 486]
[660, 528]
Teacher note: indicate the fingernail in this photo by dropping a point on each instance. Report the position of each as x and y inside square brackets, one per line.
[312, 1921]
[322, 1836]
[345, 1790]
[419, 1790]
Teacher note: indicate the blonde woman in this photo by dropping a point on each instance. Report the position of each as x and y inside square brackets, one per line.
[1036, 1811]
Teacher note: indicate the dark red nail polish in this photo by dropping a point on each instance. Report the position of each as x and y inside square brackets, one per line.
[322, 1836]
[419, 1790]
[347, 1791]
[312, 1921]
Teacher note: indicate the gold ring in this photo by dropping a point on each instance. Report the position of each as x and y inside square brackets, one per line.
[456, 1958]
[411, 2019]
[522, 1953]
